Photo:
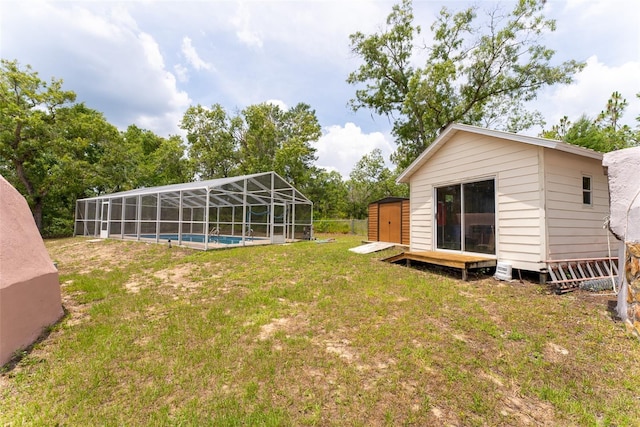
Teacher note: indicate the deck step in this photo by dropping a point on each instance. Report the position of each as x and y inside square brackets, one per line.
[567, 274]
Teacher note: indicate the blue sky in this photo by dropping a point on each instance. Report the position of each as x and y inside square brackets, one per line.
[145, 62]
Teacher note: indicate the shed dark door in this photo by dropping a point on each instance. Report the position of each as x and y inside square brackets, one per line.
[390, 222]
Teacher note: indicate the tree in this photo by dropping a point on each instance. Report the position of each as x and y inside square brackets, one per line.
[273, 139]
[101, 163]
[295, 157]
[584, 132]
[30, 143]
[167, 164]
[558, 131]
[617, 134]
[213, 138]
[156, 160]
[328, 192]
[55, 151]
[612, 114]
[371, 180]
[261, 138]
[82, 137]
[470, 76]
[605, 133]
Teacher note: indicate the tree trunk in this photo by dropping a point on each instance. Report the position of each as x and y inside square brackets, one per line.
[37, 213]
[37, 207]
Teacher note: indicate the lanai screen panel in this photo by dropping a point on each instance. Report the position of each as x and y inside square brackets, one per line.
[259, 208]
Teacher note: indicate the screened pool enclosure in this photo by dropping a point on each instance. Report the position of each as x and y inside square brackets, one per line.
[251, 209]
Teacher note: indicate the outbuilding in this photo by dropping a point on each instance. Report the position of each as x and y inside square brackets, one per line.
[389, 220]
[524, 201]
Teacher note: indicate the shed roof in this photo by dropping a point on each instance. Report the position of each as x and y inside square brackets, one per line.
[260, 189]
[451, 130]
[389, 199]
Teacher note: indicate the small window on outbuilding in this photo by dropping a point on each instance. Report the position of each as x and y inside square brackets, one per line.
[586, 190]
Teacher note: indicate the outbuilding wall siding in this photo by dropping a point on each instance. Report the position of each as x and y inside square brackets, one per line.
[372, 234]
[575, 230]
[540, 213]
[406, 222]
[471, 157]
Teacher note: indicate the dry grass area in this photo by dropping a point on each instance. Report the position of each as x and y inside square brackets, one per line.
[312, 334]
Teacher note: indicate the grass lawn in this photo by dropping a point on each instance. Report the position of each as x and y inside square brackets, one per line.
[313, 334]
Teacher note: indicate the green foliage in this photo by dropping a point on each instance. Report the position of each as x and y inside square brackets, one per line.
[54, 151]
[31, 145]
[261, 138]
[369, 181]
[212, 141]
[295, 157]
[153, 160]
[95, 143]
[605, 133]
[333, 227]
[479, 75]
[328, 192]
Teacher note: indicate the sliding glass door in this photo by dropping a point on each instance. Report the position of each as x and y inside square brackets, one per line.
[448, 217]
[465, 217]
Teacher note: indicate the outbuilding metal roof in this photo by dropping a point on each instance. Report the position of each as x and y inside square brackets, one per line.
[255, 189]
[454, 128]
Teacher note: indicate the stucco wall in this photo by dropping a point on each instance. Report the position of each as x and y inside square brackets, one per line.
[624, 187]
[623, 167]
[29, 287]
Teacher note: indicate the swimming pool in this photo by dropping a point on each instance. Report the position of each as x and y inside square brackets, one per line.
[199, 238]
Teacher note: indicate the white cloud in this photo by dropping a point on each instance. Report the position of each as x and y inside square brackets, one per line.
[132, 61]
[314, 30]
[181, 73]
[94, 25]
[588, 8]
[192, 56]
[589, 92]
[151, 51]
[244, 31]
[278, 103]
[163, 124]
[340, 147]
[101, 54]
[609, 29]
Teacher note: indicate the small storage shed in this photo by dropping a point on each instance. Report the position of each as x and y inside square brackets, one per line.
[521, 200]
[249, 209]
[389, 220]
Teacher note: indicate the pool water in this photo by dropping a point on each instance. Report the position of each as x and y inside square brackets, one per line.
[224, 240]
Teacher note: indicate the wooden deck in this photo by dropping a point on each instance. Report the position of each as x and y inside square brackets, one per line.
[445, 259]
